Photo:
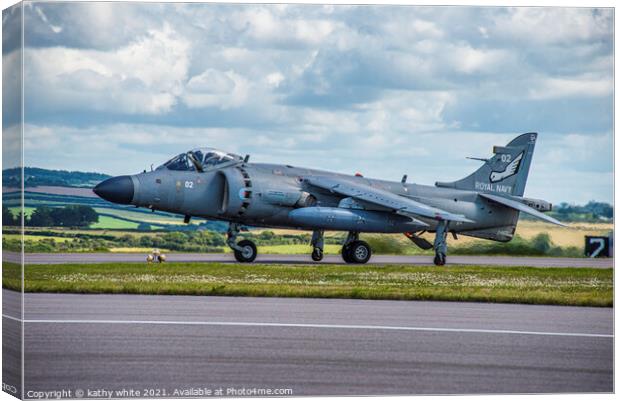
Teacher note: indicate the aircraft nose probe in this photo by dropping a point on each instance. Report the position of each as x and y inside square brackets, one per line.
[116, 189]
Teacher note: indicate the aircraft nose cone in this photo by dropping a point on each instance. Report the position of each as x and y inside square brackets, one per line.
[116, 189]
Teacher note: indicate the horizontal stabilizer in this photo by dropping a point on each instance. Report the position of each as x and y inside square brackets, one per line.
[522, 208]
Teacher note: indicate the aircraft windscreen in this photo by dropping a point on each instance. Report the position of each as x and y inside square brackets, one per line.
[215, 157]
[207, 157]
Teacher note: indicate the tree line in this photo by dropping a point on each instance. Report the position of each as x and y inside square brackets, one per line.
[592, 209]
[45, 216]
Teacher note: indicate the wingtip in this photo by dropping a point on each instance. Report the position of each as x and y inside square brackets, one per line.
[551, 220]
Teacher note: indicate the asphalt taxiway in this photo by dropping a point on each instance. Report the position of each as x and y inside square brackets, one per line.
[311, 346]
[54, 258]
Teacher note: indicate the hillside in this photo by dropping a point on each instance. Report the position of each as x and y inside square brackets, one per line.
[34, 177]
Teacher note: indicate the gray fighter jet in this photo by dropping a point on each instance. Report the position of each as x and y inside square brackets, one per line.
[216, 185]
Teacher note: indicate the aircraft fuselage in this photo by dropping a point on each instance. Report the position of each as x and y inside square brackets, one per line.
[263, 195]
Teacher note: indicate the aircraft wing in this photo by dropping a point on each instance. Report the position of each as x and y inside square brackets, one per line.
[522, 208]
[383, 198]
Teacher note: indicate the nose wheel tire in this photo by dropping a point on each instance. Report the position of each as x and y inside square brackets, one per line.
[317, 254]
[440, 259]
[248, 252]
[356, 252]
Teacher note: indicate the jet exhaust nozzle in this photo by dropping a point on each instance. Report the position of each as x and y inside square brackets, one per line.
[116, 189]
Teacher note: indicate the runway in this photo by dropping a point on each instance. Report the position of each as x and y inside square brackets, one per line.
[310, 346]
[54, 258]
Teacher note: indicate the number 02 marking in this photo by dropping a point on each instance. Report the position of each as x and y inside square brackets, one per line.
[189, 184]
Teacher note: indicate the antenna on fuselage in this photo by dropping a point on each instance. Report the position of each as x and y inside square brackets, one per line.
[478, 158]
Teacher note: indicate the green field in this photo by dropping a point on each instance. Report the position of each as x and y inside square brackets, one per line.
[560, 286]
[109, 221]
[113, 223]
[86, 231]
[29, 237]
[150, 218]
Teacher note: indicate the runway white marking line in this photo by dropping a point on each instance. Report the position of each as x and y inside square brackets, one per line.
[17, 319]
[311, 325]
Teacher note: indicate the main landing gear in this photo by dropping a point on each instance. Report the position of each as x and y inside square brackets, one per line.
[354, 250]
[441, 245]
[317, 245]
[244, 250]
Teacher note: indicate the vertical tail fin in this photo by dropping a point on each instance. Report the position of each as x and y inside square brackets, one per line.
[506, 172]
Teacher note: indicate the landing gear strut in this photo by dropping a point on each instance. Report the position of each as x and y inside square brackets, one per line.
[354, 250]
[245, 250]
[440, 245]
[317, 245]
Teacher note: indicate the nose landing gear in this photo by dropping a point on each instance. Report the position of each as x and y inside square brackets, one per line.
[244, 251]
[247, 253]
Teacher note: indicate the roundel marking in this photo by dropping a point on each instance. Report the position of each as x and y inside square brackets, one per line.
[244, 193]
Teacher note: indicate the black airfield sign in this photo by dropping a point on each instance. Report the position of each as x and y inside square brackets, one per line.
[597, 246]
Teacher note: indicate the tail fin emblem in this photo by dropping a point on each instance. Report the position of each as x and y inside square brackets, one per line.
[511, 169]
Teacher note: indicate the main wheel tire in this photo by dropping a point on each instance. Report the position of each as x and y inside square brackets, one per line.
[359, 252]
[346, 253]
[317, 254]
[248, 252]
[440, 259]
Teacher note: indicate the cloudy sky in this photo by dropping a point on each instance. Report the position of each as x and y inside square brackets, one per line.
[116, 87]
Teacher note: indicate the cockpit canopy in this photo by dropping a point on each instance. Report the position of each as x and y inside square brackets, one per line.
[207, 157]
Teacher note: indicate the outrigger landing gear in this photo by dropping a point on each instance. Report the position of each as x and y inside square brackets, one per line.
[440, 245]
[354, 250]
[317, 245]
[245, 250]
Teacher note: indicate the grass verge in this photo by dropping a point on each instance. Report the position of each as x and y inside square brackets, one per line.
[557, 286]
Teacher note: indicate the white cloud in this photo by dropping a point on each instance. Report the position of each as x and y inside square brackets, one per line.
[379, 89]
[469, 60]
[484, 32]
[427, 28]
[214, 88]
[270, 26]
[274, 79]
[583, 86]
[146, 76]
[553, 25]
[575, 151]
